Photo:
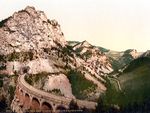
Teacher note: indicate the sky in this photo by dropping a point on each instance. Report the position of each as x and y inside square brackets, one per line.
[113, 24]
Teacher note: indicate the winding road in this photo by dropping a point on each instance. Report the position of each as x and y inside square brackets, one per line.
[118, 83]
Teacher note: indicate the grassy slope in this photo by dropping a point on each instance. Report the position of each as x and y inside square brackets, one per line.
[79, 84]
[135, 84]
[136, 80]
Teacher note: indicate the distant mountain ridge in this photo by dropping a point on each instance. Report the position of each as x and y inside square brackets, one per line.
[121, 59]
[146, 54]
[117, 59]
[73, 43]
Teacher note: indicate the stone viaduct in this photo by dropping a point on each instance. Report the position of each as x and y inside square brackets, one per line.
[29, 98]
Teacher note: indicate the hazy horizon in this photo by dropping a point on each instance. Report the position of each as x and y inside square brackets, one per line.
[116, 25]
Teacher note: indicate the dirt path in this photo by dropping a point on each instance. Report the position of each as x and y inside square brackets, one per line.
[118, 83]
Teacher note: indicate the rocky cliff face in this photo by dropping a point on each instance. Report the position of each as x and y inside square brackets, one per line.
[29, 30]
[94, 58]
[29, 42]
[28, 39]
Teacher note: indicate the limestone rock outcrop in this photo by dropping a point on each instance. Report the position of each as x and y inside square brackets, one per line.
[94, 58]
[29, 29]
[59, 82]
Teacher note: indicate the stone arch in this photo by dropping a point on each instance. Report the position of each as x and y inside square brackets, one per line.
[21, 92]
[35, 104]
[27, 101]
[46, 106]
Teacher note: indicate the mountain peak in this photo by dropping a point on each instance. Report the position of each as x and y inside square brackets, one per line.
[30, 9]
[148, 51]
[146, 54]
[29, 29]
[85, 43]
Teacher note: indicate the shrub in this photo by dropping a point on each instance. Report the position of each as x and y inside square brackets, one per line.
[1, 83]
[80, 84]
[11, 91]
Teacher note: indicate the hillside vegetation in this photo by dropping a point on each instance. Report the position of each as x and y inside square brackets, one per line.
[80, 86]
[135, 88]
